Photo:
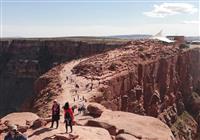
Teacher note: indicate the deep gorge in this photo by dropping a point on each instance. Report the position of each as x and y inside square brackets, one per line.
[22, 61]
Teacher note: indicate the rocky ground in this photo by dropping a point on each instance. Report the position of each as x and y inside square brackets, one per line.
[110, 125]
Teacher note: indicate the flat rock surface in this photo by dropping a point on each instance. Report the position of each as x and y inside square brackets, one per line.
[20, 118]
[125, 137]
[80, 132]
[141, 127]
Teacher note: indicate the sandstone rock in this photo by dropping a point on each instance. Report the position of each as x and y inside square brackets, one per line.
[79, 133]
[95, 109]
[38, 123]
[198, 121]
[160, 70]
[111, 128]
[47, 119]
[109, 105]
[82, 120]
[139, 126]
[180, 107]
[193, 101]
[185, 125]
[125, 137]
[89, 133]
[3, 128]
[21, 118]
[64, 137]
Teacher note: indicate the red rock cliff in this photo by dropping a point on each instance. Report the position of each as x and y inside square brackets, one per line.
[148, 78]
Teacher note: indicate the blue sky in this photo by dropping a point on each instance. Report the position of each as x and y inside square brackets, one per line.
[48, 18]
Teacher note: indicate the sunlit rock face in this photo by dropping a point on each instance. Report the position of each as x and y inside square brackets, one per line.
[147, 78]
[146, 72]
[110, 125]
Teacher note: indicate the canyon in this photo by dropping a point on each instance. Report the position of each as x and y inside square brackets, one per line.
[22, 61]
[144, 77]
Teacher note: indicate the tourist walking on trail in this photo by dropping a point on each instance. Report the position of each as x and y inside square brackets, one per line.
[81, 107]
[68, 116]
[13, 134]
[55, 114]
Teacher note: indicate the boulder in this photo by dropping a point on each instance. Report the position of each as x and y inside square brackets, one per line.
[95, 109]
[83, 120]
[3, 128]
[125, 137]
[48, 120]
[142, 127]
[20, 119]
[38, 123]
[111, 128]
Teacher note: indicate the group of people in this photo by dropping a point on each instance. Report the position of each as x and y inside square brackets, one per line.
[14, 134]
[81, 104]
[68, 115]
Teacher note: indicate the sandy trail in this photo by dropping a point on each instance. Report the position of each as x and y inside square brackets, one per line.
[68, 83]
[75, 86]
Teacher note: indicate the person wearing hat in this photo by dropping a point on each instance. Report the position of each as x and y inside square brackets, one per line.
[13, 134]
[55, 113]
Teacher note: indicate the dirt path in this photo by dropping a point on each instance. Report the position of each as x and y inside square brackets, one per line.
[74, 86]
[68, 83]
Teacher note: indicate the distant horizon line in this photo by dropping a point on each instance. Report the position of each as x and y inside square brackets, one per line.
[106, 36]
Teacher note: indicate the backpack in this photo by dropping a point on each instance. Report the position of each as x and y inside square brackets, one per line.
[67, 115]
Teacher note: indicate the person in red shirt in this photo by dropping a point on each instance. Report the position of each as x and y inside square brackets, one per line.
[68, 116]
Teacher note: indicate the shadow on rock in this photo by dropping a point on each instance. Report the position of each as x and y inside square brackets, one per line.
[38, 132]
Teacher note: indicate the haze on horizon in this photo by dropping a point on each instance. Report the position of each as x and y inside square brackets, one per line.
[50, 18]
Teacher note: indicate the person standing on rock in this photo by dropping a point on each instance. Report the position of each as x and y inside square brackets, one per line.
[13, 134]
[68, 116]
[55, 113]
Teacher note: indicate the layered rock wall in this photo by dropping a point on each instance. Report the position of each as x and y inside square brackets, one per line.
[167, 76]
[148, 78]
[164, 81]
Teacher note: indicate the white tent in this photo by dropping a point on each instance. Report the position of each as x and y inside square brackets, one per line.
[160, 37]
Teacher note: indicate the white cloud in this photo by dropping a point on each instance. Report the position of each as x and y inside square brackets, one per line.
[167, 9]
[191, 22]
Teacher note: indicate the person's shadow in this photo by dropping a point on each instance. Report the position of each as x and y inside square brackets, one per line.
[70, 136]
[38, 132]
